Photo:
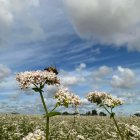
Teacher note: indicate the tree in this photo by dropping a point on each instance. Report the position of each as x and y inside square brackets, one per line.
[94, 112]
[102, 114]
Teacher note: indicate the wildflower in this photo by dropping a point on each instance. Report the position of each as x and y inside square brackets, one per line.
[112, 102]
[64, 98]
[103, 98]
[80, 137]
[36, 135]
[28, 78]
[96, 97]
[106, 100]
[132, 130]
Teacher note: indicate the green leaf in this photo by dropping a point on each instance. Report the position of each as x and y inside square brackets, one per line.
[112, 115]
[37, 89]
[51, 114]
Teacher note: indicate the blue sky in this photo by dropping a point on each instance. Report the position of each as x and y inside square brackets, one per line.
[94, 44]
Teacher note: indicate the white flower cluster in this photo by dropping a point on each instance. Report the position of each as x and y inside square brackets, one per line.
[37, 135]
[80, 137]
[27, 78]
[132, 129]
[64, 98]
[104, 98]
[112, 102]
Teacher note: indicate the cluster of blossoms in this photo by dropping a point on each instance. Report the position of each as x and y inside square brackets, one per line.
[28, 78]
[132, 130]
[36, 135]
[103, 98]
[64, 98]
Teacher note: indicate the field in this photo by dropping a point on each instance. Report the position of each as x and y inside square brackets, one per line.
[15, 127]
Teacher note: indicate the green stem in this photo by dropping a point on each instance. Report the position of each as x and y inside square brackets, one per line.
[75, 114]
[118, 128]
[47, 128]
[47, 119]
[54, 107]
[114, 121]
[46, 110]
[106, 109]
[42, 98]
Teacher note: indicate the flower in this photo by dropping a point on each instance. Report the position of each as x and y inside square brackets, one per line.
[103, 98]
[38, 77]
[97, 97]
[36, 135]
[64, 98]
[132, 130]
[112, 102]
[80, 137]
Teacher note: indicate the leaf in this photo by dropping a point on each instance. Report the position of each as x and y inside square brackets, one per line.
[112, 115]
[37, 89]
[51, 114]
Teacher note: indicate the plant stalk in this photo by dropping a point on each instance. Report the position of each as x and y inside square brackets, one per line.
[47, 119]
[114, 121]
[118, 128]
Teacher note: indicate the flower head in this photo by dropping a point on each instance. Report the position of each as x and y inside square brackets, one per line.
[112, 102]
[64, 98]
[103, 98]
[132, 130]
[28, 78]
[36, 135]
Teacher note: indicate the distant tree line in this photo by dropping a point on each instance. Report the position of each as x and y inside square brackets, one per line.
[89, 113]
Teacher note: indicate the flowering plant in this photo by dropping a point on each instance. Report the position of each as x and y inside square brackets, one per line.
[65, 98]
[37, 81]
[107, 102]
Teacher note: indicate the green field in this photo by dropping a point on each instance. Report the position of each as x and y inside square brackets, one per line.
[15, 127]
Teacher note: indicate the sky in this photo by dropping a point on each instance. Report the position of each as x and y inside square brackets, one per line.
[94, 44]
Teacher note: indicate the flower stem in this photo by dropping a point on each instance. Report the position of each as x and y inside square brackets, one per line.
[47, 128]
[110, 113]
[75, 113]
[47, 119]
[118, 128]
[44, 105]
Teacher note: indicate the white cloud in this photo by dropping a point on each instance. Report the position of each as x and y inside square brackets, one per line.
[81, 67]
[107, 22]
[19, 22]
[101, 73]
[71, 79]
[125, 79]
[4, 72]
[6, 20]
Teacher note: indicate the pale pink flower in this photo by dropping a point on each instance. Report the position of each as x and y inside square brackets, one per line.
[103, 98]
[27, 78]
[65, 98]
